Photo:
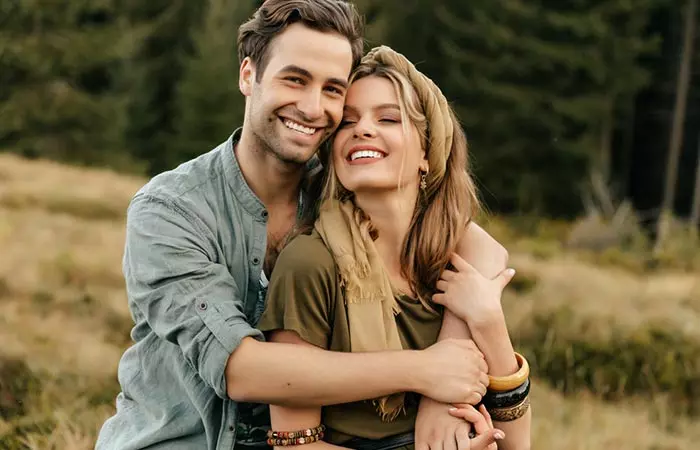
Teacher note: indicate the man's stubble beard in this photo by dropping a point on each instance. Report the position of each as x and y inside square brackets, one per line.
[270, 142]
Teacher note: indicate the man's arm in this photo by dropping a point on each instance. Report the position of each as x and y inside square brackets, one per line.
[192, 301]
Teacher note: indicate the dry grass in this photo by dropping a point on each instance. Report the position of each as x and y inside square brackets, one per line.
[63, 313]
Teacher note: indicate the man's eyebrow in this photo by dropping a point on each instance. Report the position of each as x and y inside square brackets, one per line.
[296, 69]
[338, 81]
[305, 73]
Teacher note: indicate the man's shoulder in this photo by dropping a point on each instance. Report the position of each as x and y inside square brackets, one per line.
[190, 178]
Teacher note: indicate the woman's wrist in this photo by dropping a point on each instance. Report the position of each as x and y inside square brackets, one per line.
[491, 336]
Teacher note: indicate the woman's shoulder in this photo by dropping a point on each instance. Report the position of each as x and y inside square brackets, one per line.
[307, 253]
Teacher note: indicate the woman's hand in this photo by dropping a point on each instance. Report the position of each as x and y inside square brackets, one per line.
[486, 434]
[469, 295]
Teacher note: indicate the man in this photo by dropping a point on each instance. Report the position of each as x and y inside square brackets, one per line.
[202, 239]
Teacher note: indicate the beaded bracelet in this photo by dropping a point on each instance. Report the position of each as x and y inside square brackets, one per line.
[510, 382]
[495, 399]
[307, 432]
[510, 413]
[294, 441]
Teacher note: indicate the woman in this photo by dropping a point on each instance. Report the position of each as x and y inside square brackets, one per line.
[372, 274]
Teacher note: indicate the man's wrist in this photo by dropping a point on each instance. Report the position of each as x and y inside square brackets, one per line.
[409, 370]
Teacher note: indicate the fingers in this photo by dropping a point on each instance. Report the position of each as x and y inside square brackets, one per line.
[461, 264]
[462, 437]
[468, 413]
[487, 416]
[442, 285]
[450, 441]
[484, 367]
[484, 378]
[482, 441]
[505, 277]
[448, 275]
[440, 299]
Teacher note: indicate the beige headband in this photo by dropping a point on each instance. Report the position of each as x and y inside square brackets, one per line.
[436, 108]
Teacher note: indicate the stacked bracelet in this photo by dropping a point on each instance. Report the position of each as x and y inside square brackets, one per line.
[507, 397]
[511, 382]
[510, 413]
[494, 399]
[299, 437]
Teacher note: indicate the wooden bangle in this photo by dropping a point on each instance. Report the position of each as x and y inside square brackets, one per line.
[510, 382]
[511, 413]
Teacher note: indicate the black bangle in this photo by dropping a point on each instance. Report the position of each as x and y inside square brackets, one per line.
[508, 398]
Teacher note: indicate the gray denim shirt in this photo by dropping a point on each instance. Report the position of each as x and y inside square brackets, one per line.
[195, 243]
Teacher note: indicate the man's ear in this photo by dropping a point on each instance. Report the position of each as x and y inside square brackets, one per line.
[246, 76]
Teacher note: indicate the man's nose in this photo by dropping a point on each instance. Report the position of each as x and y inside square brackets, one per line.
[311, 105]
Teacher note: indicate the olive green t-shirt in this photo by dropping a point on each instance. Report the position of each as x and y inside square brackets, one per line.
[305, 296]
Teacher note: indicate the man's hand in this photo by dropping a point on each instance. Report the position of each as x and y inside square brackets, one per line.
[453, 371]
[438, 430]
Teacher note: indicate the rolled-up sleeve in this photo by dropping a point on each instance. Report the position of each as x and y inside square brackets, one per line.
[185, 295]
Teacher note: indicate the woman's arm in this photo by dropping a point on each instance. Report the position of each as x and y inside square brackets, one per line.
[490, 332]
[434, 424]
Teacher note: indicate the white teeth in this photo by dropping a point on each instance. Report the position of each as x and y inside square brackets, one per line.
[298, 127]
[366, 154]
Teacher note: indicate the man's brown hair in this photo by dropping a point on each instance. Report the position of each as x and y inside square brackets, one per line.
[273, 17]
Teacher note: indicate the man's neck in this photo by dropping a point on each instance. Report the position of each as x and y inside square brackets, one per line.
[275, 182]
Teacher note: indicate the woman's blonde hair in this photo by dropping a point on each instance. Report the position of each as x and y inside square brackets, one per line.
[449, 201]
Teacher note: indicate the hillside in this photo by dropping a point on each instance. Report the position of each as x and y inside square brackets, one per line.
[616, 352]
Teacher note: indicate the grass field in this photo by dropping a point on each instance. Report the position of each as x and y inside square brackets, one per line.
[615, 350]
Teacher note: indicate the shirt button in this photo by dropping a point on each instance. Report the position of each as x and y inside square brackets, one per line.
[256, 261]
[202, 306]
[230, 428]
[264, 214]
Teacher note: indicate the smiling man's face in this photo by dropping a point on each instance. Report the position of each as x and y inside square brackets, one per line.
[298, 101]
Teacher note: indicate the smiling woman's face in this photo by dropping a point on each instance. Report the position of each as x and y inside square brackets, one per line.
[371, 151]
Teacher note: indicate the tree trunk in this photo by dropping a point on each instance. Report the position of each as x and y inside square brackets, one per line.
[695, 212]
[605, 158]
[674, 150]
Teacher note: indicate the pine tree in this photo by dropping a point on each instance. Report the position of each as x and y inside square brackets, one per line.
[209, 103]
[154, 73]
[537, 85]
[60, 95]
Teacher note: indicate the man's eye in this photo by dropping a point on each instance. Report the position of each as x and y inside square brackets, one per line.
[344, 123]
[334, 90]
[295, 80]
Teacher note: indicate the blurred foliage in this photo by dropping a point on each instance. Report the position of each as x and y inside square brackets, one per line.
[651, 361]
[540, 86]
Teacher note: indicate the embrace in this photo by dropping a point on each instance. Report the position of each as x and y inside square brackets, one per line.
[317, 280]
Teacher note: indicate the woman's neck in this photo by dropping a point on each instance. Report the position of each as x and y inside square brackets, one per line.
[391, 214]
